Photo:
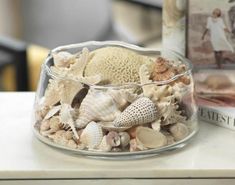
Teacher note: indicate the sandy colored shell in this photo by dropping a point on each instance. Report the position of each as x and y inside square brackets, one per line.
[162, 70]
[70, 89]
[63, 59]
[150, 138]
[116, 65]
[110, 127]
[96, 106]
[104, 145]
[141, 111]
[66, 118]
[54, 110]
[92, 135]
[52, 93]
[53, 123]
[179, 131]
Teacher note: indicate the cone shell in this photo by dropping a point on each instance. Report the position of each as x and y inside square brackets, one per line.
[150, 138]
[96, 106]
[92, 135]
[142, 111]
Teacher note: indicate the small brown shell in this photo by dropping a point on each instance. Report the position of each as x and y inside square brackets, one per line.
[163, 70]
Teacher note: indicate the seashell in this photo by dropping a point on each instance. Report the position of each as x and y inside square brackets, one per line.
[150, 138]
[135, 147]
[45, 125]
[52, 93]
[110, 127]
[66, 118]
[163, 70]
[170, 113]
[57, 137]
[92, 135]
[52, 112]
[78, 98]
[113, 139]
[96, 106]
[141, 111]
[63, 59]
[116, 149]
[122, 97]
[55, 125]
[169, 137]
[104, 146]
[179, 131]
[116, 65]
[41, 110]
[71, 144]
[71, 88]
[124, 138]
[156, 125]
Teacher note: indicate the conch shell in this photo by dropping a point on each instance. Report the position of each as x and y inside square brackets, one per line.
[163, 70]
[96, 106]
[141, 111]
[150, 138]
[92, 135]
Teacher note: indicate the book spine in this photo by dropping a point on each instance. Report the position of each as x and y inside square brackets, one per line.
[217, 117]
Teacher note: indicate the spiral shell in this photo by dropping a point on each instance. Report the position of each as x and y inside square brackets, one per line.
[163, 70]
[92, 135]
[142, 111]
[96, 106]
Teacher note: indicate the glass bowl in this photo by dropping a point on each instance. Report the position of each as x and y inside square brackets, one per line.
[115, 100]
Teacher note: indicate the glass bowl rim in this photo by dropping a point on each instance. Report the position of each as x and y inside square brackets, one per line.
[132, 47]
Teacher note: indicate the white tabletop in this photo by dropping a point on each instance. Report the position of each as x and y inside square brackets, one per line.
[22, 156]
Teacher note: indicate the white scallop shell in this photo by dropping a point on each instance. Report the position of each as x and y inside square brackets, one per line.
[92, 135]
[142, 111]
[150, 138]
[96, 106]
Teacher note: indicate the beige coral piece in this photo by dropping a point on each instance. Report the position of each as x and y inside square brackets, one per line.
[116, 65]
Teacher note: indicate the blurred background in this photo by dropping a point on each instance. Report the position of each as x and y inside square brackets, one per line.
[30, 28]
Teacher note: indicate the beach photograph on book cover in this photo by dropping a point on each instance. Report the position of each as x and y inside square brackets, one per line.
[211, 33]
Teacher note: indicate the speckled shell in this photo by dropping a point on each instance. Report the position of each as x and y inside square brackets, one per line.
[92, 135]
[150, 138]
[96, 106]
[163, 70]
[142, 111]
[116, 65]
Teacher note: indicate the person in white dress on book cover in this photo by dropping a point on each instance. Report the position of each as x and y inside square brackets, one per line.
[216, 27]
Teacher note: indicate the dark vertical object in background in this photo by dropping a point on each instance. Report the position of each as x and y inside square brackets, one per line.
[16, 50]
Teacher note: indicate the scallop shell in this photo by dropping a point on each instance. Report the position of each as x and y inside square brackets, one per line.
[142, 111]
[150, 138]
[110, 127]
[96, 106]
[179, 131]
[163, 70]
[66, 118]
[92, 135]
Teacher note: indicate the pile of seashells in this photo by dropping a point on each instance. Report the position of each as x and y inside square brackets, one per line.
[92, 107]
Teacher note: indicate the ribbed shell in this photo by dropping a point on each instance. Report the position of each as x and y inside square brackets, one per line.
[92, 135]
[142, 111]
[96, 106]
